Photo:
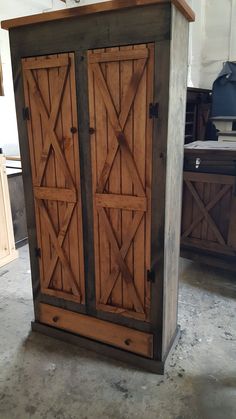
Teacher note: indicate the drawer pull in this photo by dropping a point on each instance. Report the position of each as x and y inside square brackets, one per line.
[122, 337]
[55, 319]
[197, 163]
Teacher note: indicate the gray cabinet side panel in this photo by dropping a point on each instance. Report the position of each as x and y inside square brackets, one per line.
[175, 151]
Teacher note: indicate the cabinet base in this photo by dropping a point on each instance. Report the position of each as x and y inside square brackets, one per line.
[150, 365]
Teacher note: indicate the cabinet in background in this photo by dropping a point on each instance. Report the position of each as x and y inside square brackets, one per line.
[209, 204]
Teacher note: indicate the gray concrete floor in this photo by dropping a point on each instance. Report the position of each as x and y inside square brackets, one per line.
[41, 377]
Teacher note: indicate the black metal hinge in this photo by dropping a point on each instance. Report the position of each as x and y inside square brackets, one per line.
[26, 114]
[153, 110]
[151, 276]
[37, 252]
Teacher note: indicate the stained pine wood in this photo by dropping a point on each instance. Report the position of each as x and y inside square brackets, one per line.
[115, 335]
[128, 202]
[122, 55]
[51, 62]
[95, 8]
[137, 61]
[49, 95]
[7, 243]
[119, 175]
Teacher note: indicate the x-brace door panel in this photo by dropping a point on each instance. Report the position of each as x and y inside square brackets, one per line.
[120, 91]
[49, 88]
[208, 219]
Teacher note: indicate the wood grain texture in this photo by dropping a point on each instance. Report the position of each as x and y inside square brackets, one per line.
[49, 95]
[151, 365]
[127, 202]
[130, 26]
[175, 154]
[132, 191]
[210, 225]
[158, 187]
[121, 152]
[113, 5]
[46, 63]
[122, 337]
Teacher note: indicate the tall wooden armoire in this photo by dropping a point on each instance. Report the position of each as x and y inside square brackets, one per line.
[100, 96]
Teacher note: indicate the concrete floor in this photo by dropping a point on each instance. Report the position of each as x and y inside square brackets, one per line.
[41, 377]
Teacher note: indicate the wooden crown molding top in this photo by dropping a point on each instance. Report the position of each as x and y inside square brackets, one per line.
[107, 6]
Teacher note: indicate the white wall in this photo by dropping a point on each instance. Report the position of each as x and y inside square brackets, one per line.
[11, 9]
[212, 39]
[8, 126]
[196, 39]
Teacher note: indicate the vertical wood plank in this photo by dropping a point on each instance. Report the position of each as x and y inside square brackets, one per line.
[70, 245]
[101, 150]
[77, 225]
[141, 160]
[126, 72]
[113, 83]
[232, 223]
[206, 199]
[225, 213]
[43, 84]
[94, 140]
[196, 233]
[56, 177]
[211, 234]
[85, 143]
[37, 146]
[148, 172]
[34, 159]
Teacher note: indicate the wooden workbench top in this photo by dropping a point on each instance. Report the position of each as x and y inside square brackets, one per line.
[212, 148]
[107, 6]
[211, 145]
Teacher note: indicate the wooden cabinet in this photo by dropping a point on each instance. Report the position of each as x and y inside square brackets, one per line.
[101, 135]
[7, 243]
[209, 203]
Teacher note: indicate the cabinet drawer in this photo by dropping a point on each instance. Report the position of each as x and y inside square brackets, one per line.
[122, 337]
[204, 164]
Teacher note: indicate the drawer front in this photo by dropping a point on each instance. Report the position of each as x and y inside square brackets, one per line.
[122, 337]
[201, 164]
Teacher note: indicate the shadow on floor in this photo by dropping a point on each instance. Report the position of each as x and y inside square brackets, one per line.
[214, 280]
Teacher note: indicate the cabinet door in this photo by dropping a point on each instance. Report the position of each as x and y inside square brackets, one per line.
[49, 88]
[120, 92]
[208, 215]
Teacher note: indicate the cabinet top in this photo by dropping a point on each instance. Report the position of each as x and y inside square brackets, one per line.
[107, 6]
[211, 148]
